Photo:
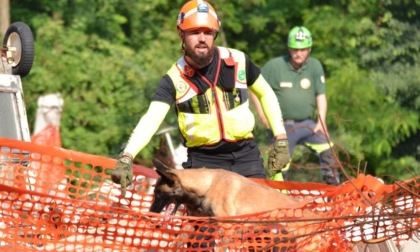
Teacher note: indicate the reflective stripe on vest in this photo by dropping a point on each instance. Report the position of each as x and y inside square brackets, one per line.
[216, 114]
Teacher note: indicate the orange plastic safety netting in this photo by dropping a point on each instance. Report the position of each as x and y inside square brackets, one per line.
[52, 199]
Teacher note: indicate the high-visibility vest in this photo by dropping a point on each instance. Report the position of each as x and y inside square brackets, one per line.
[206, 117]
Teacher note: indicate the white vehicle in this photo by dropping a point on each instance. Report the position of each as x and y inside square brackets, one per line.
[17, 54]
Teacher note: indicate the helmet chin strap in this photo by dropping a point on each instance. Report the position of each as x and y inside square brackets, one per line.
[182, 36]
[183, 47]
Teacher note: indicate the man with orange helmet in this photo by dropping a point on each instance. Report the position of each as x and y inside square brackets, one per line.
[209, 87]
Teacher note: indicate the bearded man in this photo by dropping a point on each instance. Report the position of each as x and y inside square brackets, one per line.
[209, 87]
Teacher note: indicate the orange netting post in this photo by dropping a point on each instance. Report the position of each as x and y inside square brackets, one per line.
[50, 135]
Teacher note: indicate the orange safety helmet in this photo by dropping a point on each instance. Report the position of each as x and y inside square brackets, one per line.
[197, 14]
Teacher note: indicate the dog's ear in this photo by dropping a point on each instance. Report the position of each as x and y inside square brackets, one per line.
[160, 166]
[163, 170]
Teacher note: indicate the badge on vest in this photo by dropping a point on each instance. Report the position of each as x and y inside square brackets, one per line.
[305, 83]
[181, 86]
[188, 71]
[241, 75]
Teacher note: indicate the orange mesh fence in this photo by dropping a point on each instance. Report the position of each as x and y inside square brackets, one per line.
[52, 199]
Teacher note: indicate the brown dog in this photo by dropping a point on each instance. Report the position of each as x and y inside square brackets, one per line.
[213, 192]
[219, 193]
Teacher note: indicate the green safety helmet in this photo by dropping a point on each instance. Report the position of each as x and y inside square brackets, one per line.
[299, 38]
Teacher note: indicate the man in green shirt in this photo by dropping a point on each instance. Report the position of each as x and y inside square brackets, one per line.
[299, 84]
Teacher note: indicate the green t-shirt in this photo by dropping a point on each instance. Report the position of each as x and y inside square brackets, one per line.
[296, 90]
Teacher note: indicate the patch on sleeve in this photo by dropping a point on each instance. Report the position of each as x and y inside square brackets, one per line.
[322, 78]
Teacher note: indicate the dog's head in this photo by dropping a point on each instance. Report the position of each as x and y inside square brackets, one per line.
[168, 189]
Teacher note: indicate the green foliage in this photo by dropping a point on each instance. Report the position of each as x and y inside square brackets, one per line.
[368, 113]
[95, 77]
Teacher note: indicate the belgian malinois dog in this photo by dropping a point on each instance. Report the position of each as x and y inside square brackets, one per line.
[213, 192]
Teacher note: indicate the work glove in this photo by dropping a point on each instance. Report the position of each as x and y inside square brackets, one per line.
[279, 156]
[123, 172]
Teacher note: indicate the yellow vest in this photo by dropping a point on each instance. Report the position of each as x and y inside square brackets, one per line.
[218, 113]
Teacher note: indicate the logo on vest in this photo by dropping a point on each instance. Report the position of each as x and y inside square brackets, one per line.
[241, 75]
[305, 83]
[188, 71]
[181, 86]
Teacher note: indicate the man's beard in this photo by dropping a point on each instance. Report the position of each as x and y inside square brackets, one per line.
[200, 59]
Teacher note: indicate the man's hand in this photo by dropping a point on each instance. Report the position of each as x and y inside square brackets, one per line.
[279, 156]
[123, 172]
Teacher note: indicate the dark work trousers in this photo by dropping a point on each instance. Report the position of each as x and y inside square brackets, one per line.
[300, 133]
[246, 161]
